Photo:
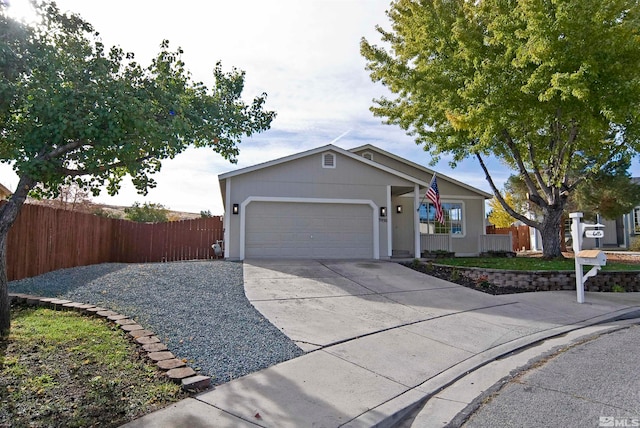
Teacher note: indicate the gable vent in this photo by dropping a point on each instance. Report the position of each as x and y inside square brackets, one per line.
[328, 160]
[367, 155]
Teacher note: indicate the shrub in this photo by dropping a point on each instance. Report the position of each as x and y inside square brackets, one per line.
[483, 281]
[634, 244]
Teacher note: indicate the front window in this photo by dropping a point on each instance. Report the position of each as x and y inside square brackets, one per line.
[453, 219]
[636, 220]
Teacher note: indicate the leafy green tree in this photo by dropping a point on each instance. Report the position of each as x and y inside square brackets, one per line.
[73, 111]
[610, 193]
[147, 213]
[551, 88]
[205, 214]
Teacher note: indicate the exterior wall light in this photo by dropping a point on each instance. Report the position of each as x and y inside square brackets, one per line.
[399, 209]
[235, 209]
[383, 211]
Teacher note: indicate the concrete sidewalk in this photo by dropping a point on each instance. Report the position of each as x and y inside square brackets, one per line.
[381, 338]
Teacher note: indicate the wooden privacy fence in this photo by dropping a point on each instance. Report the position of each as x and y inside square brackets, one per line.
[519, 234]
[44, 239]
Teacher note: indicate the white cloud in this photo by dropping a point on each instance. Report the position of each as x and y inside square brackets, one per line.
[303, 54]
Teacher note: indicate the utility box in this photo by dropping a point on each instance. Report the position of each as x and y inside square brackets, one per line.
[591, 257]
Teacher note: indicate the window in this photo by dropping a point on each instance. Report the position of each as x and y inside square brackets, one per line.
[328, 160]
[636, 220]
[367, 155]
[453, 219]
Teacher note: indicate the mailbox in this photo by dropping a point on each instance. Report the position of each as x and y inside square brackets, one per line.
[591, 257]
[598, 233]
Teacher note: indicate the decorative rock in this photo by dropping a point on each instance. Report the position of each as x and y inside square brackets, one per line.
[106, 313]
[71, 306]
[85, 308]
[116, 317]
[172, 363]
[139, 333]
[21, 298]
[125, 321]
[159, 356]
[33, 300]
[57, 304]
[155, 347]
[176, 375]
[196, 382]
[146, 340]
[131, 327]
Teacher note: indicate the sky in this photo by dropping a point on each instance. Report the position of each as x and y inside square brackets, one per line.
[304, 54]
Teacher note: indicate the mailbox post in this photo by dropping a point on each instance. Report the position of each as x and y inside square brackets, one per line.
[595, 258]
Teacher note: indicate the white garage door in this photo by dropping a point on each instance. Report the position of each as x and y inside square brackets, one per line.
[308, 230]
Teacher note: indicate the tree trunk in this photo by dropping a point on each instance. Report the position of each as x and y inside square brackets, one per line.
[550, 230]
[5, 313]
[8, 215]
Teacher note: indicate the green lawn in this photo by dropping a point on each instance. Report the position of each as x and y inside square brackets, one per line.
[525, 263]
[64, 369]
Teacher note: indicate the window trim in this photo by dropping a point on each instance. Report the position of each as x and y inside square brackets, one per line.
[463, 220]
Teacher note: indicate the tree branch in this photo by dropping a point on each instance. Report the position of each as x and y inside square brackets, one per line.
[500, 199]
[79, 172]
[536, 171]
[58, 151]
[533, 191]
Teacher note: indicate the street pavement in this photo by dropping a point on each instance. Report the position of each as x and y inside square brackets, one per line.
[595, 383]
[381, 339]
[569, 380]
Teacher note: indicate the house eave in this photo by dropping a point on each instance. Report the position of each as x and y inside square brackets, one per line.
[428, 171]
[329, 147]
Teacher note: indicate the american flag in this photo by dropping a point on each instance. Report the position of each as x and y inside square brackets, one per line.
[434, 196]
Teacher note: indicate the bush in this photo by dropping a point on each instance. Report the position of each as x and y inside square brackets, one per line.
[634, 244]
[147, 213]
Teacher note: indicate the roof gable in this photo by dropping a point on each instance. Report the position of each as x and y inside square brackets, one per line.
[368, 148]
[322, 149]
[351, 154]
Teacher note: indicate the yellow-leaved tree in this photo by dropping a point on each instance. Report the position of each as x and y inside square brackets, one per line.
[498, 216]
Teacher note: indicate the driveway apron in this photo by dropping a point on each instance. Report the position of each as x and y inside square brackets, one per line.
[380, 338]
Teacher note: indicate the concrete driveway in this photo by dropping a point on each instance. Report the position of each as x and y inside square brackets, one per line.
[380, 339]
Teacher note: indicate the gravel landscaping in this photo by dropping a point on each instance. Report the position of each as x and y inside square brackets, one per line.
[197, 308]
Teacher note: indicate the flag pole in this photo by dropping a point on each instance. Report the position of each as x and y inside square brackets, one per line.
[425, 194]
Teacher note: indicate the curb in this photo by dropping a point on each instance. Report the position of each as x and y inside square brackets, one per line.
[407, 403]
[149, 345]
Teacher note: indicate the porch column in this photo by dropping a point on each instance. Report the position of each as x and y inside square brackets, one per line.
[416, 220]
[390, 212]
[227, 219]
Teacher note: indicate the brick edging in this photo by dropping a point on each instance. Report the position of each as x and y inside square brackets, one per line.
[148, 344]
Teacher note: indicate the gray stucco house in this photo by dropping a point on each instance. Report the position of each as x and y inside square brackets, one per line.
[363, 203]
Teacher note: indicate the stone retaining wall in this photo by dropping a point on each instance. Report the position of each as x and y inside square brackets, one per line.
[553, 280]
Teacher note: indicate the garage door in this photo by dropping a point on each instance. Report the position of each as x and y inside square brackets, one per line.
[308, 230]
